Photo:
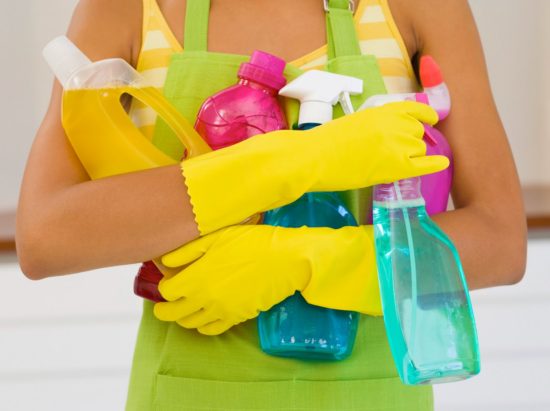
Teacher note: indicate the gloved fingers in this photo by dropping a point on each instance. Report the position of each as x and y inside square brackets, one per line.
[175, 310]
[189, 252]
[419, 111]
[415, 128]
[429, 164]
[179, 286]
[409, 144]
[198, 319]
[217, 327]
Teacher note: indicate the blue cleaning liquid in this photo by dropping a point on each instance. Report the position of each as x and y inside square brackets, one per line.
[427, 311]
[294, 328]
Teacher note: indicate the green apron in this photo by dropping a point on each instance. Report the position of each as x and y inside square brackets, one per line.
[179, 369]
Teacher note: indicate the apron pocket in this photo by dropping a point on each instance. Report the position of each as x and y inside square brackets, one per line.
[387, 394]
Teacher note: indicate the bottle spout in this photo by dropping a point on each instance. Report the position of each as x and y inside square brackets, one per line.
[64, 58]
[430, 73]
[434, 86]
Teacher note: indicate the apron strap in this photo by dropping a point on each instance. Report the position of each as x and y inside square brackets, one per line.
[195, 37]
[341, 35]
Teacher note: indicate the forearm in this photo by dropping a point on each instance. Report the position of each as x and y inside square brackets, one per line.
[118, 220]
[492, 249]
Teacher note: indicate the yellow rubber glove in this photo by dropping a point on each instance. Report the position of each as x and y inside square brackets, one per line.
[377, 145]
[233, 274]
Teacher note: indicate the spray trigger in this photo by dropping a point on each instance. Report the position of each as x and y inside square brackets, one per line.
[345, 101]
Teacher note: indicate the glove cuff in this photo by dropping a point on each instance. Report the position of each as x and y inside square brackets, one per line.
[347, 279]
[264, 172]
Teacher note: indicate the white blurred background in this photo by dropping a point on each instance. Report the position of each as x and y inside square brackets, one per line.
[66, 343]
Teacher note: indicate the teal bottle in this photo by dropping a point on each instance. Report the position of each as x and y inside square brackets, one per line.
[294, 328]
[427, 311]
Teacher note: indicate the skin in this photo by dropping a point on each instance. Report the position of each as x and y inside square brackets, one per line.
[68, 224]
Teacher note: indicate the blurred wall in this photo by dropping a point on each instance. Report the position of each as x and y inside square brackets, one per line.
[25, 82]
[515, 34]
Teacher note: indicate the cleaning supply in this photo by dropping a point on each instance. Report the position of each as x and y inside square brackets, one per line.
[427, 311]
[252, 268]
[102, 134]
[234, 114]
[247, 108]
[435, 187]
[294, 328]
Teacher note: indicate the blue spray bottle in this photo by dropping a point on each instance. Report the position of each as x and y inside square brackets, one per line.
[294, 328]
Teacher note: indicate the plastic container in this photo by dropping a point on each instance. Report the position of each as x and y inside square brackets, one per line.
[248, 108]
[103, 135]
[427, 311]
[294, 328]
[95, 121]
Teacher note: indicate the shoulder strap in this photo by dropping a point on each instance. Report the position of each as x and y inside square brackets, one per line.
[195, 37]
[341, 35]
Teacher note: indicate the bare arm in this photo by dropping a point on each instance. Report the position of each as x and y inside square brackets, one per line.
[488, 226]
[67, 223]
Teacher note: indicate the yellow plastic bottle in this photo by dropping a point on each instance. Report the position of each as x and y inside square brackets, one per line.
[100, 130]
[102, 133]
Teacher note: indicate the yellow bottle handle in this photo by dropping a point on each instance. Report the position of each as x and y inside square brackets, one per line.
[190, 139]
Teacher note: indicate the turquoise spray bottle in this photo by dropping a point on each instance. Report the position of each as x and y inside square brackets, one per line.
[294, 328]
[427, 310]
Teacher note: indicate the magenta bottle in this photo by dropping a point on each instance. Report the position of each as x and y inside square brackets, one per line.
[436, 187]
[248, 108]
[234, 114]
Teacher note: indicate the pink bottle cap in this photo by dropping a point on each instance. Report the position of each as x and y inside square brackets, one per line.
[265, 69]
[430, 73]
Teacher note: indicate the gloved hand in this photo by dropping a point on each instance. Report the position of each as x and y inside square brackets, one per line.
[233, 274]
[377, 145]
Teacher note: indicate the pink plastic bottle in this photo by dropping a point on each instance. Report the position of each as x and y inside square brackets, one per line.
[436, 187]
[246, 109]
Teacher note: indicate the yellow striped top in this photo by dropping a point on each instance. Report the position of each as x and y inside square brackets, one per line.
[377, 32]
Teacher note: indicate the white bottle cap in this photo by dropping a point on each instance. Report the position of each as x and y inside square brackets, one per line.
[64, 58]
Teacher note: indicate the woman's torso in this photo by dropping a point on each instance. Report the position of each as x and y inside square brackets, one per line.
[173, 365]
